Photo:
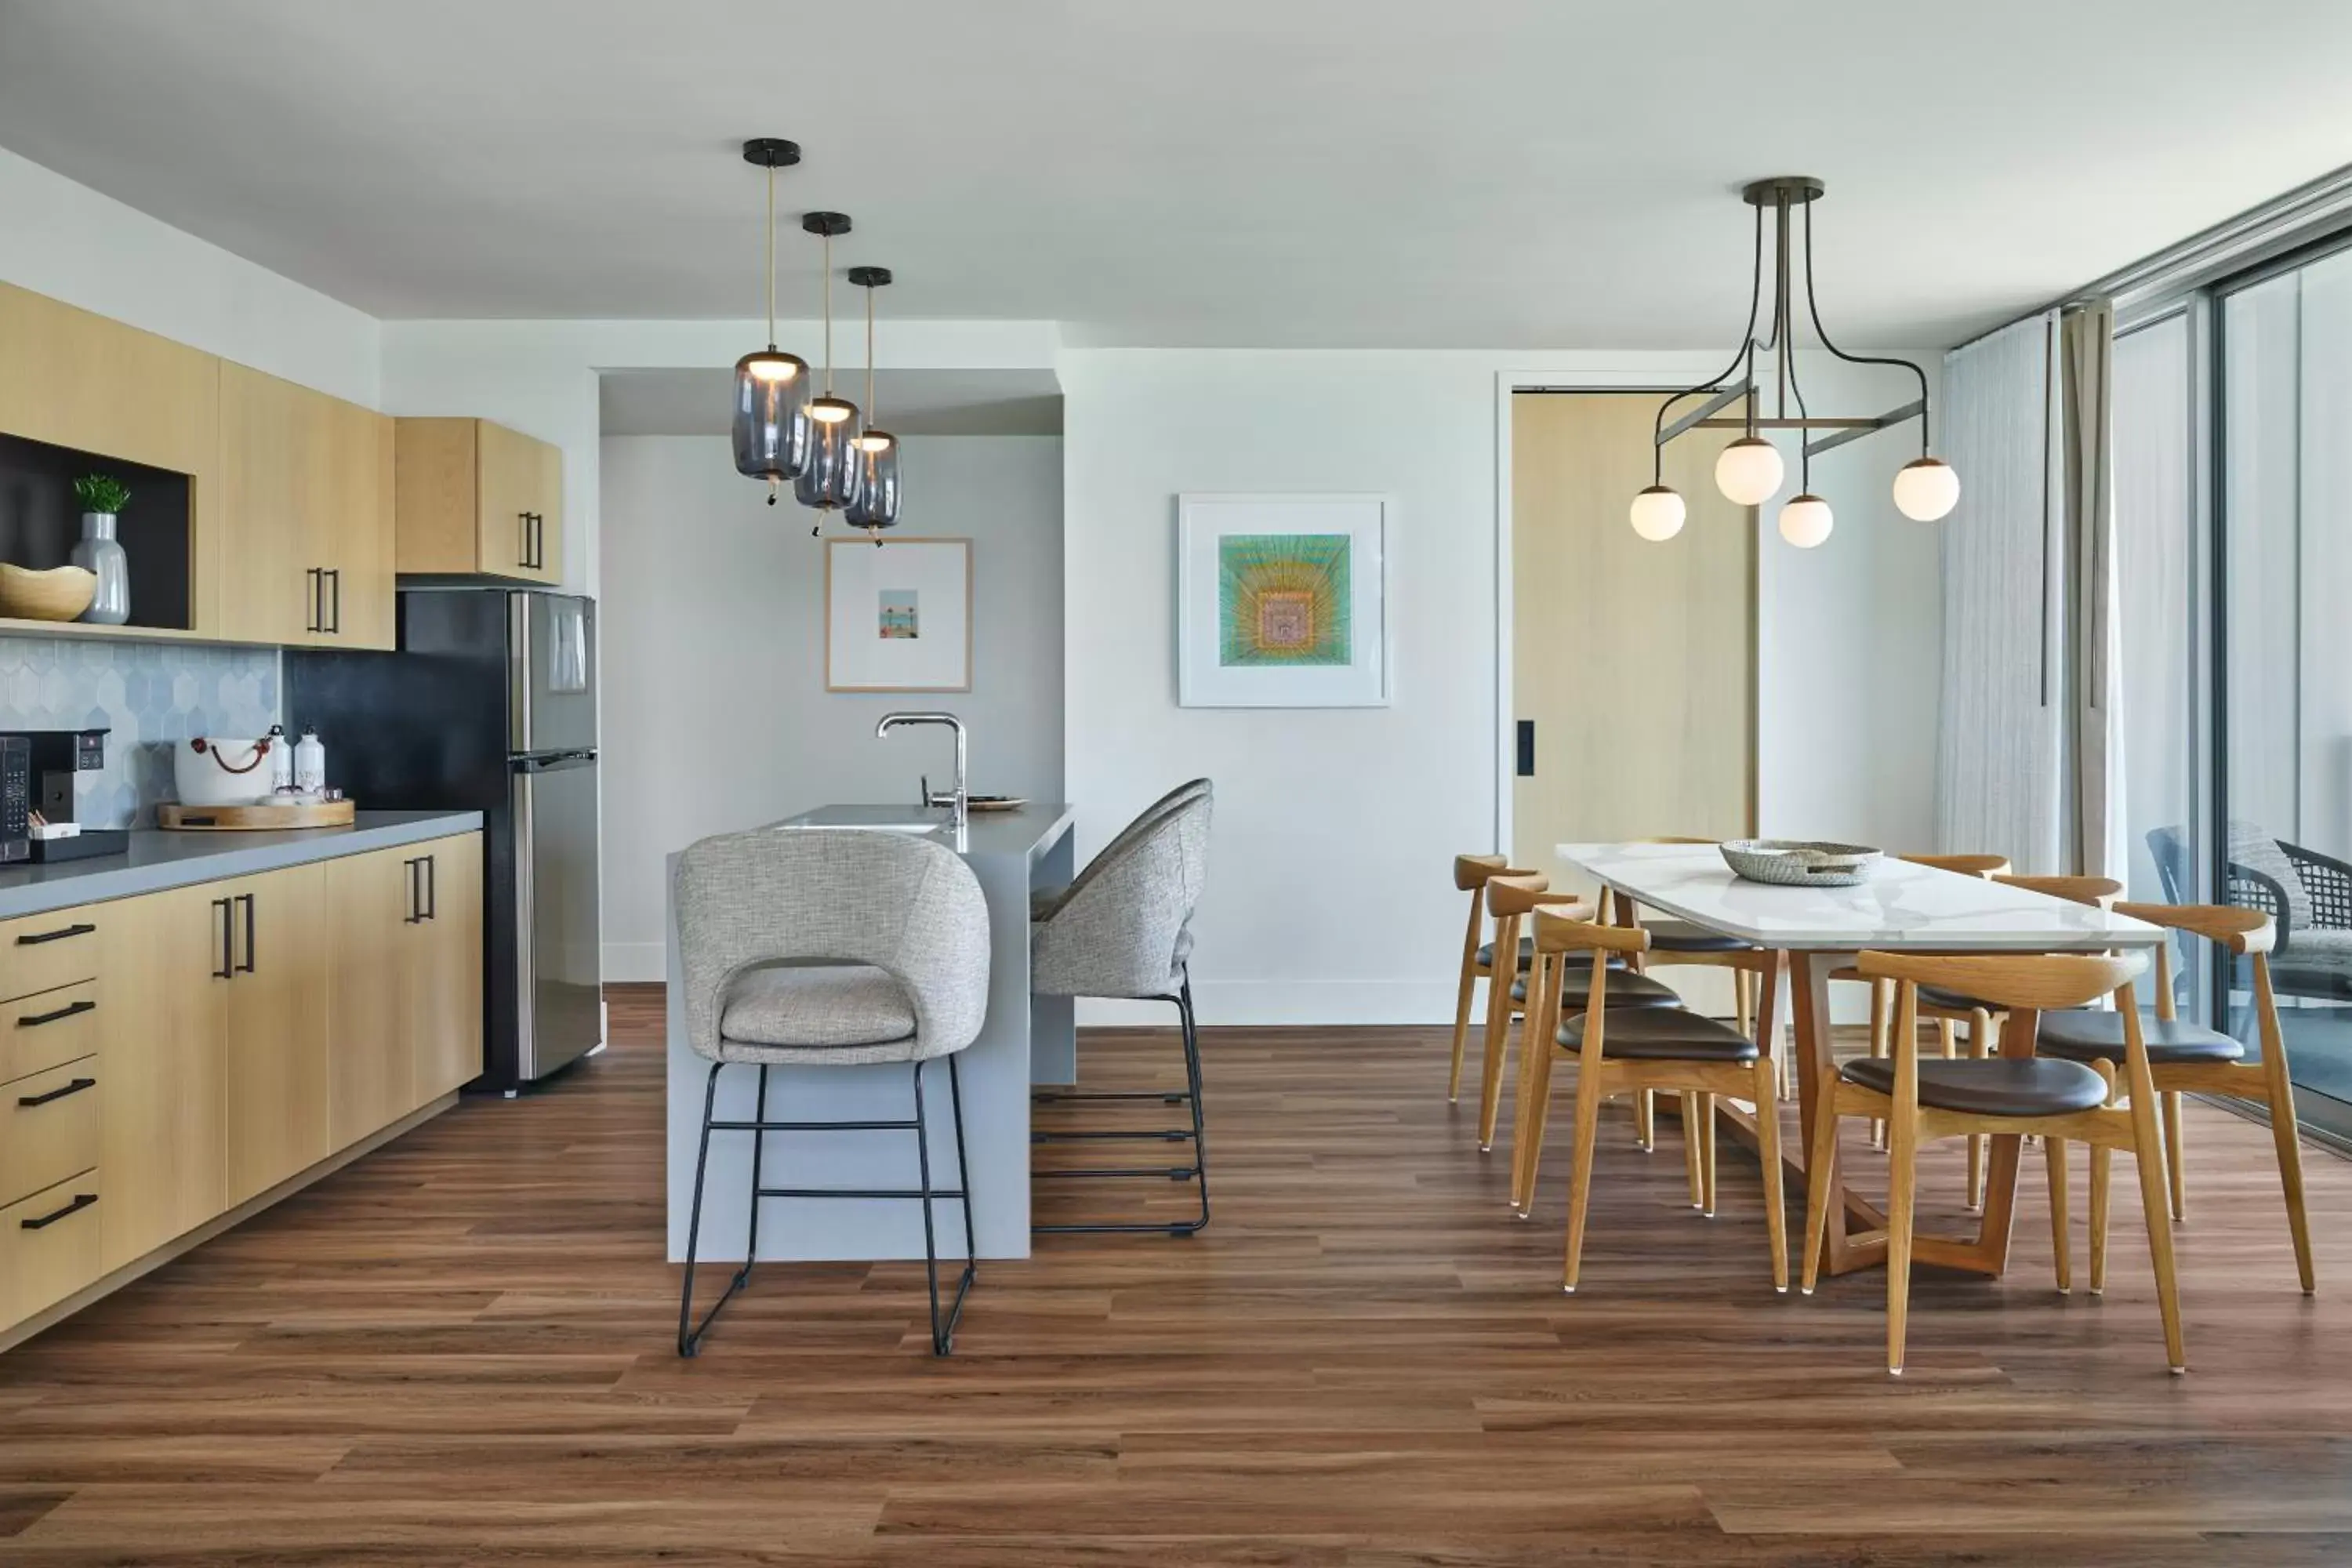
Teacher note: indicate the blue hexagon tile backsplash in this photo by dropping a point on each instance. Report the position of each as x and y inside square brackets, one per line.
[149, 694]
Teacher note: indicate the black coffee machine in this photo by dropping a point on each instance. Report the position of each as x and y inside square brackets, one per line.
[43, 792]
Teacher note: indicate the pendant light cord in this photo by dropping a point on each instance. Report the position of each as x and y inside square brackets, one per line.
[869, 356]
[772, 253]
[828, 311]
[1813, 308]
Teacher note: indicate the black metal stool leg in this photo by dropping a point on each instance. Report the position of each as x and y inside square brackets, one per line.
[964, 1179]
[689, 1334]
[1198, 1170]
[759, 1147]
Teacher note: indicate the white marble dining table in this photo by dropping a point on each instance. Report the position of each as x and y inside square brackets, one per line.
[1902, 907]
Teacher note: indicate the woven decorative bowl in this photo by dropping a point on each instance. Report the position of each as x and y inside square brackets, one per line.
[1797, 863]
[58, 595]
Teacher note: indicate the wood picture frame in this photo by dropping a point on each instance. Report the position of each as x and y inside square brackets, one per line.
[898, 614]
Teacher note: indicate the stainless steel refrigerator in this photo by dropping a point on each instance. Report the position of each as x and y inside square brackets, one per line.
[489, 704]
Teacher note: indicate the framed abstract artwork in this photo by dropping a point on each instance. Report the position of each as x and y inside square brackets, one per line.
[898, 614]
[1282, 601]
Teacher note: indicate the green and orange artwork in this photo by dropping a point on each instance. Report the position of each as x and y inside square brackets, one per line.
[1283, 599]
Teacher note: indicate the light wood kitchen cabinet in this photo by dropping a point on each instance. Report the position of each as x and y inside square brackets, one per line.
[162, 1020]
[75, 379]
[202, 1046]
[478, 500]
[304, 552]
[274, 1035]
[405, 936]
[442, 969]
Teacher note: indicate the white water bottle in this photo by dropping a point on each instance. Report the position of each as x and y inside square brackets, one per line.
[282, 760]
[310, 762]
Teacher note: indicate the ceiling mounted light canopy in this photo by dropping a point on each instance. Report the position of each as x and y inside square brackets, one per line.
[877, 451]
[1750, 471]
[828, 481]
[771, 435]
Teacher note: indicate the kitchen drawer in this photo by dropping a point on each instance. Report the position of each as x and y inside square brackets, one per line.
[37, 1033]
[49, 1246]
[40, 952]
[49, 1128]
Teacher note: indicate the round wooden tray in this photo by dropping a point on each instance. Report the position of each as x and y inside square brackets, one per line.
[254, 818]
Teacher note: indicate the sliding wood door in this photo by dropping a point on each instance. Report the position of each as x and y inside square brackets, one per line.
[1635, 662]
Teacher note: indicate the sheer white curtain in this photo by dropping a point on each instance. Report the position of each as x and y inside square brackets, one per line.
[2000, 760]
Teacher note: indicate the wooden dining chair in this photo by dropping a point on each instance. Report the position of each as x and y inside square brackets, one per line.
[1682, 942]
[1625, 1050]
[1511, 901]
[2013, 1094]
[1882, 993]
[1471, 875]
[1948, 1007]
[2185, 1058]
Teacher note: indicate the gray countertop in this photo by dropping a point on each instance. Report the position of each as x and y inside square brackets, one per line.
[158, 860]
[1024, 832]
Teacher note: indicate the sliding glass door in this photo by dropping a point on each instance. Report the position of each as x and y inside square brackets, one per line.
[2284, 357]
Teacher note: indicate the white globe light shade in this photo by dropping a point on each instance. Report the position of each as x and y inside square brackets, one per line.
[1748, 472]
[1805, 522]
[1927, 490]
[1658, 513]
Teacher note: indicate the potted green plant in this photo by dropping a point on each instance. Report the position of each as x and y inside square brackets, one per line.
[102, 497]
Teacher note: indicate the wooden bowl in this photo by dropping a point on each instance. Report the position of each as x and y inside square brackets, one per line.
[59, 593]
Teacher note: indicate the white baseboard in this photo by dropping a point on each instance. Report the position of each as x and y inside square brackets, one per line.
[632, 960]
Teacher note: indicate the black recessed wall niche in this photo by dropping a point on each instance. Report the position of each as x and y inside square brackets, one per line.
[41, 521]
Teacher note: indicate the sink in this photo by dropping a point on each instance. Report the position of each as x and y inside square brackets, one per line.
[868, 819]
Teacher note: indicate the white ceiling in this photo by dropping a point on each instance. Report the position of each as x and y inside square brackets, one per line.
[906, 402]
[1536, 173]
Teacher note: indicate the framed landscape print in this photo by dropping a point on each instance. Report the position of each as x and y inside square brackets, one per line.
[1282, 601]
[898, 614]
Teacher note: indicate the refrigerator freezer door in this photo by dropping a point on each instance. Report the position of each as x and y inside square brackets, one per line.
[551, 672]
[558, 955]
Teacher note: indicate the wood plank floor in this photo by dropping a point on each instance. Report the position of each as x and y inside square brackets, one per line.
[458, 1352]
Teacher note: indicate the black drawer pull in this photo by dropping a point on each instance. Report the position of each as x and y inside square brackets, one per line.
[34, 939]
[28, 1101]
[34, 1020]
[80, 1202]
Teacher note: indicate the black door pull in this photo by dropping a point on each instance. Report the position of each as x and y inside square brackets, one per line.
[81, 1201]
[1527, 762]
[35, 1020]
[246, 900]
[35, 939]
[227, 969]
[76, 1086]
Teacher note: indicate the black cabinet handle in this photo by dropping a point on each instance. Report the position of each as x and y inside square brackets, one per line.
[76, 1086]
[314, 598]
[81, 1201]
[35, 939]
[36, 1020]
[246, 900]
[413, 893]
[228, 966]
[522, 519]
[432, 887]
[335, 617]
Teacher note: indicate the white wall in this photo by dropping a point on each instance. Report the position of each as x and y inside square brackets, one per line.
[1327, 898]
[715, 712]
[65, 240]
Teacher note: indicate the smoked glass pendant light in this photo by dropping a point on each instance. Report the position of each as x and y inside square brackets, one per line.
[877, 455]
[771, 429]
[828, 481]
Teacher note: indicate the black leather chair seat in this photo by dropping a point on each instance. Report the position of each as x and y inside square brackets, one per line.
[2033, 1086]
[1662, 1034]
[1683, 936]
[1626, 989]
[2084, 1034]
[1956, 1001]
[1528, 956]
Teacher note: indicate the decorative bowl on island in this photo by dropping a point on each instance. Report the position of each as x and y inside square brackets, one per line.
[1800, 863]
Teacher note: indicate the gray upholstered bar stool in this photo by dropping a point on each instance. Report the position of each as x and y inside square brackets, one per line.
[1123, 930]
[830, 950]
